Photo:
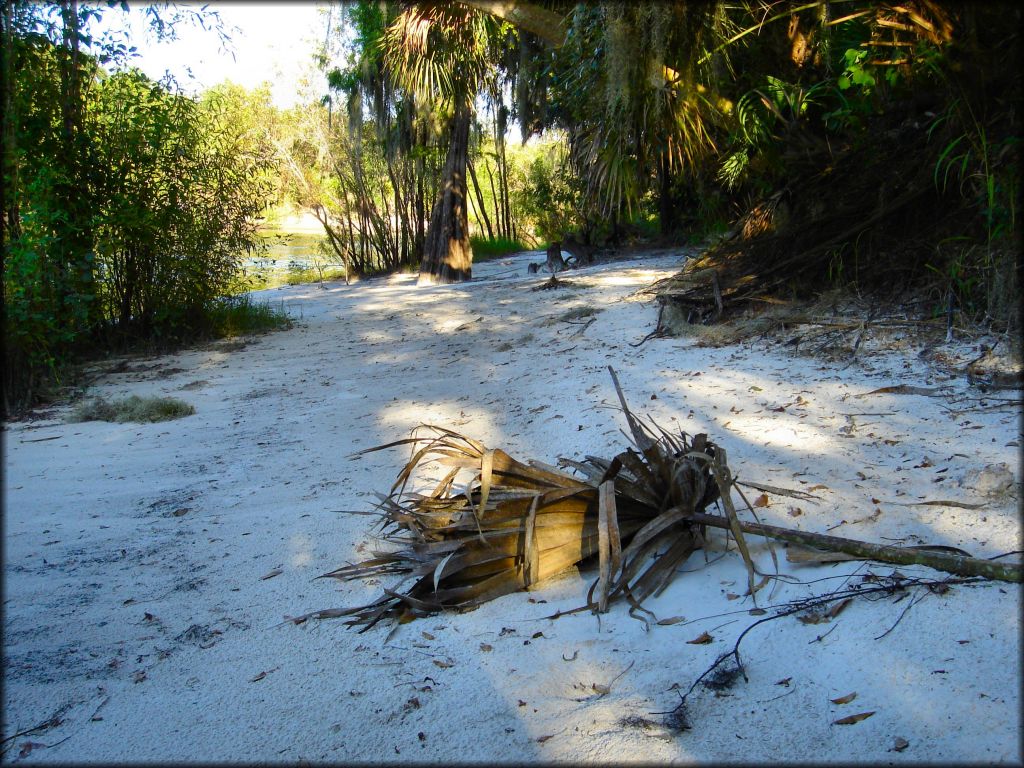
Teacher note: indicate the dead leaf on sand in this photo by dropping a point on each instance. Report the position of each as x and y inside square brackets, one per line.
[262, 675]
[845, 699]
[839, 607]
[851, 719]
[271, 574]
[28, 746]
[900, 389]
[703, 639]
[816, 617]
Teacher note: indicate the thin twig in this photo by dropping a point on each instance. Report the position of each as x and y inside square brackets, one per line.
[819, 638]
[856, 590]
[97, 710]
[51, 722]
[782, 696]
[612, 681]
[911, 604]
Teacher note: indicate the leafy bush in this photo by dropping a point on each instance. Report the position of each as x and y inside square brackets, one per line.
[127, 227]
[549, 196]
[180, 201]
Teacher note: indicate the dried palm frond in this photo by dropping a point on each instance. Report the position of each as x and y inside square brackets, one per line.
[514, 524]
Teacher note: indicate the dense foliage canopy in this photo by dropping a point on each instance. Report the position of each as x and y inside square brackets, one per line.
[127, 206]
[701, 116]
[829, 144]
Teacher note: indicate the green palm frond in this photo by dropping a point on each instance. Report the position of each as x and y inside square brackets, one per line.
[442, 52]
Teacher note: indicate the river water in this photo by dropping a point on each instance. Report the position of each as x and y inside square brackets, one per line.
[286, 252]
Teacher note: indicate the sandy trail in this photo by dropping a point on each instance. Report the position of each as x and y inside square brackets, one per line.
[148, 569]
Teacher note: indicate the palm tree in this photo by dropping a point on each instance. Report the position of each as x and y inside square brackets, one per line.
[444, 54]
[636, 89]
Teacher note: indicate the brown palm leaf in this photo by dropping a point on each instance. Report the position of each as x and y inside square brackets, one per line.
[514, 524]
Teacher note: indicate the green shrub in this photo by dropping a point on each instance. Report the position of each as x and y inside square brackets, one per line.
[484, 249]
[549, 196]
[131, 237]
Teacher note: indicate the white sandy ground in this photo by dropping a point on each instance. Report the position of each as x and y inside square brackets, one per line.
[136, 616]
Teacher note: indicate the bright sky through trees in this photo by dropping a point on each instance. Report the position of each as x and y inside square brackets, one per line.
[273, 42]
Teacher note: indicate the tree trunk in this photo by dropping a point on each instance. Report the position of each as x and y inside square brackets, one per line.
[494, 194]
[448, 255]
[502, 123]
[419, 205]
[481, 208]
[337, 244]
[529, 16]
[75, 236]
[666, 205]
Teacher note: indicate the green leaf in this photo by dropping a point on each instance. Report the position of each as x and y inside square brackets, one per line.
[860, 77]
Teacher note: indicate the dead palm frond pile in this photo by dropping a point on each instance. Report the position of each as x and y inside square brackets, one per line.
[513, 525]
[516, 524]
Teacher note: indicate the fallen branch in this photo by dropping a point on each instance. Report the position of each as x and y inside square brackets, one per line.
[938, 503]
[902, 389]
[962, 565]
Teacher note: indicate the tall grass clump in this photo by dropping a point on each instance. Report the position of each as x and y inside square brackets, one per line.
[239, 315]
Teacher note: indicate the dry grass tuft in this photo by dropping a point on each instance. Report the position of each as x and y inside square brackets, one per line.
[132, 408]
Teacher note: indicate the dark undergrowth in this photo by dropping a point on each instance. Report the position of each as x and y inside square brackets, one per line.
[26, 387]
